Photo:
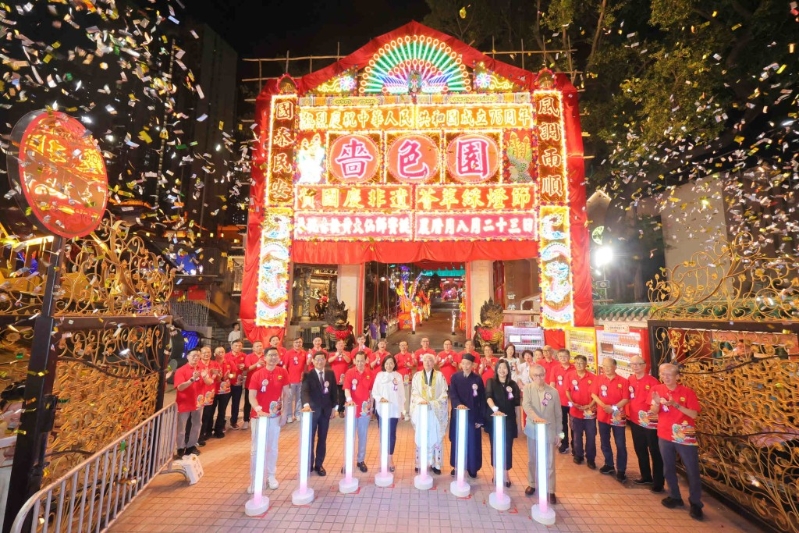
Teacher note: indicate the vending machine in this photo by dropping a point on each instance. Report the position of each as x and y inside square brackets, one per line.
[582, 341]
[524, 338]
[622, 342]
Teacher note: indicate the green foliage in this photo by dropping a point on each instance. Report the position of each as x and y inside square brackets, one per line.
[660, 77]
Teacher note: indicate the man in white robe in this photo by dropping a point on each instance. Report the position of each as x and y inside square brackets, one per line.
[429, 391]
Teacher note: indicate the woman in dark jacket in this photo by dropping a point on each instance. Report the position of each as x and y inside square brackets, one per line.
[503, 394]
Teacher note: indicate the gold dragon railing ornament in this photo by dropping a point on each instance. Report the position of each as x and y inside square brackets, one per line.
[113, 336]
[733, 281]
[730, 317]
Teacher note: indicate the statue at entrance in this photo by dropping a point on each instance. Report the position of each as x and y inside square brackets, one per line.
[337, 326]
[489, 330]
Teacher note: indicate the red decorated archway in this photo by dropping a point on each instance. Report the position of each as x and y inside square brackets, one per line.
[414, 148]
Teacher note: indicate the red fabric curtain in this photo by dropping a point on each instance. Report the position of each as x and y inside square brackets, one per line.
[350, 253]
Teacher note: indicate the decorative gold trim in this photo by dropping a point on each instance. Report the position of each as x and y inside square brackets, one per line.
[733, 281]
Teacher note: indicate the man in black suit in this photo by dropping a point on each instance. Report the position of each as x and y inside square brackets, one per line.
[319, 394]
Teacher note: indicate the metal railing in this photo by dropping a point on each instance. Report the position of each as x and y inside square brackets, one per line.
[91, 496]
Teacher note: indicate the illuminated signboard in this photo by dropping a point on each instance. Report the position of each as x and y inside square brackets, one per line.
[427, 141]
[59, 173]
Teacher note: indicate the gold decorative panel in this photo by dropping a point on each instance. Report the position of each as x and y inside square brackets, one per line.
[747, 431]
[733, 281]
[107, 383]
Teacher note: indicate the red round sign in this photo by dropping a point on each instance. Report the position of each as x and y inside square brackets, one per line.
[413, 158]
[59, 173]
[353, 158]
[472, 158]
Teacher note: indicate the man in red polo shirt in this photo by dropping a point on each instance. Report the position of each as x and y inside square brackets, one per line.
[208, 373]
[676, 408]
[558, 378]
[339, 362]
[252, 363]
[358, 383]
[406, 365]
[360, 346]
[268, 392]
[611, 394]
[448, 361]
[236, 358]
[222, 393]
[468, 347]
[190, 398]
[294, 361]
[550, 359]
[378, 356]
[418, 354]
[582, 412]
[643, 427]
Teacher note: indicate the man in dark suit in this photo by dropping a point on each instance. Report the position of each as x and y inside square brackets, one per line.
[319, 394]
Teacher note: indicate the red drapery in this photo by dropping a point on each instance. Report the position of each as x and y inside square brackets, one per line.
[351, 253]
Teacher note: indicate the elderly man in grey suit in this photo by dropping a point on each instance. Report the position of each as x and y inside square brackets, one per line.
[541, 404]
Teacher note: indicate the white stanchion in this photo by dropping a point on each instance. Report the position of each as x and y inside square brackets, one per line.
[542, 512]
[423, 481]
[304, 494]
[259, 504]
[413, 321]
[384, 478]
[498, 499]
[349, 484]
[460, 487]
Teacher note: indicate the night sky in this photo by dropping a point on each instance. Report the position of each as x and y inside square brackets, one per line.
[264, 28]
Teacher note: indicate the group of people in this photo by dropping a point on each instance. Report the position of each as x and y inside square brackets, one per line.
[535, 387]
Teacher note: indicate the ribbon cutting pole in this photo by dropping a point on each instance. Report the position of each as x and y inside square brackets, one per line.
[384, 478]
[349, 484]
[259, 504]
[423, 481]
[542, 512]
[304, 495]
[460, 487]
[498, 499]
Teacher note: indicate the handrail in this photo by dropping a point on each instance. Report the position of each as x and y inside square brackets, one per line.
[92, 495]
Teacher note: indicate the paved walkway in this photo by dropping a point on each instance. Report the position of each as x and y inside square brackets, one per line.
[438, 329]
[587, 500]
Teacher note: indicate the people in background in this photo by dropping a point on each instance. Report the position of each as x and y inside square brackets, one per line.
[559, 372]
[252, 363]
[236, 357]
[487, 364]
[448, 361]
[234, 335]
[294, 361]
[340, 362]
[222, 379]
[424, 349]
[11, 407]
[190, 398]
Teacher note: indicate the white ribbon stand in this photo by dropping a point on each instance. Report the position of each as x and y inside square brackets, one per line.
[498, 499]
[259, 504]
[413, 321]
[423, 481]
[304, 494]
[542, 512]
[460, 487]
[384, 478]
[349, 484]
